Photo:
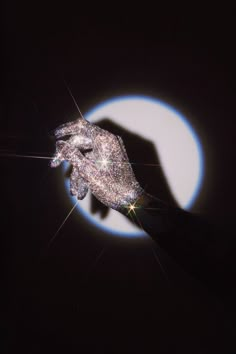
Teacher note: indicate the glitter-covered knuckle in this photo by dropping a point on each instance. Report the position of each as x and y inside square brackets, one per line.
[71, 128]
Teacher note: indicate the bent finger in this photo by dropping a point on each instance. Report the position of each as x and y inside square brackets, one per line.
[82, 141]
[58, 156]
[78, 185]
[71, 128]
[85, 167]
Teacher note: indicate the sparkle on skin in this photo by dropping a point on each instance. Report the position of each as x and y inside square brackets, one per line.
[103, 164]
[131, 208]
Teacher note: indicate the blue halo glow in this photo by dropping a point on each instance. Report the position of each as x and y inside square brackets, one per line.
[137, 234]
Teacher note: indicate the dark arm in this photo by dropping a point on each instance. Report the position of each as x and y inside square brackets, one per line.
[201, 249]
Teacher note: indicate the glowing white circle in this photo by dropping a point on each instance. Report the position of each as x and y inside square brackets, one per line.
[178, 147]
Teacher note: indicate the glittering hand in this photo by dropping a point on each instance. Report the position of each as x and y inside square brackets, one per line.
[99, 163]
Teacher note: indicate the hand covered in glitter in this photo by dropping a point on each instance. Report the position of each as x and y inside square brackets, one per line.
[99, 163]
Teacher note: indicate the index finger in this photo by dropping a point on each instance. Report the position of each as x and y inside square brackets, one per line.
[79, 126]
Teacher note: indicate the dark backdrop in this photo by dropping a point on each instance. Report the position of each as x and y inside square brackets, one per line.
[90, 292]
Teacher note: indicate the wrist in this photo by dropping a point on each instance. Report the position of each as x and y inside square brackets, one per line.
[149, 213]
[131, 199]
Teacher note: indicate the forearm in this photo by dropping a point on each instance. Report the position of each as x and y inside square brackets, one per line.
[187, 238]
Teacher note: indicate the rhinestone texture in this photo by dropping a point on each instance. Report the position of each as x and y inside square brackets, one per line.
[99, 163]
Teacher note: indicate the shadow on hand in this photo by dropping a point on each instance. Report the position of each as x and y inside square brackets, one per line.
[145, 163]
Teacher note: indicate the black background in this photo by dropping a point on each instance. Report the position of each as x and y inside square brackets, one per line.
[90, 292]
